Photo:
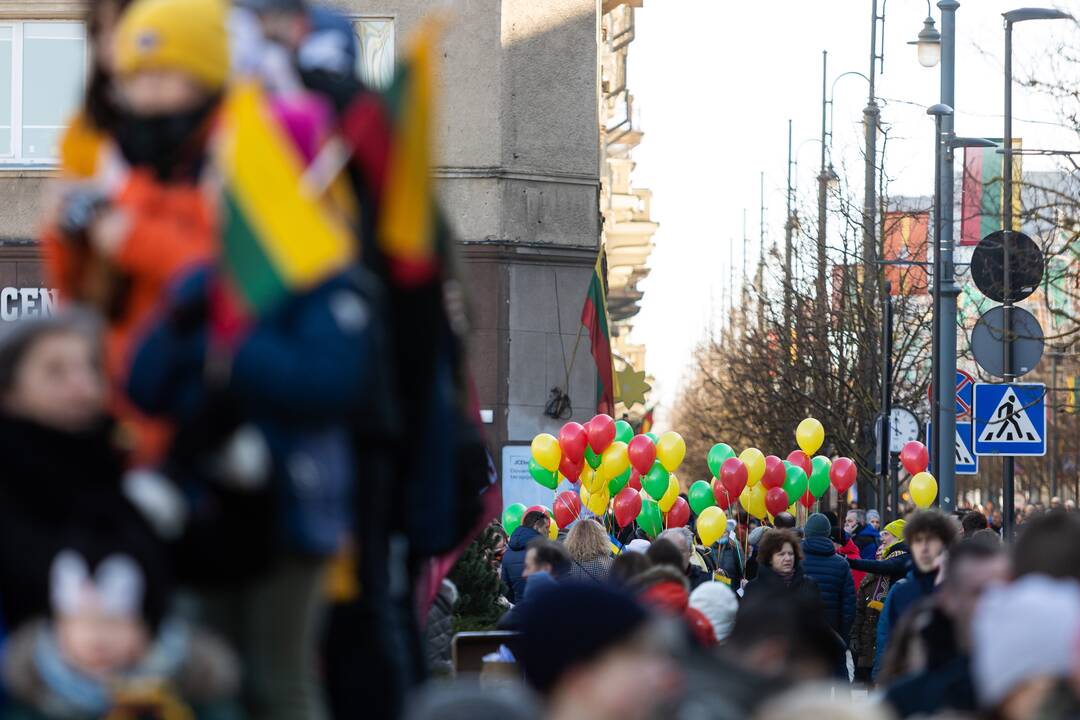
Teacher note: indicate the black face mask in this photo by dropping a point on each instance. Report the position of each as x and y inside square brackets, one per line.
[171, 146]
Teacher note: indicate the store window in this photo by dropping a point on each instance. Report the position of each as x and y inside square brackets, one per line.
[375, 61]
[42, 77]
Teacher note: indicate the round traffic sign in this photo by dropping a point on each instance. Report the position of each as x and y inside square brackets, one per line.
[988, 341]
[1025, 265]
[965, 386]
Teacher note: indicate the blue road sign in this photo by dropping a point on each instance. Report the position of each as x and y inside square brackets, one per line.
[1010, 419]
[967, 462]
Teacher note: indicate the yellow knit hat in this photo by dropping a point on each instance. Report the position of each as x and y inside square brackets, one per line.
[896, 528]
[185, 35]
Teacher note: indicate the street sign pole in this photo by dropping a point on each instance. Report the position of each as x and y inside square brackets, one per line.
[886, 396]
[1008, 466]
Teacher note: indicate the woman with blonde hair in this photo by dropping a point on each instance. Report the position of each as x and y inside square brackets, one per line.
[590, 552]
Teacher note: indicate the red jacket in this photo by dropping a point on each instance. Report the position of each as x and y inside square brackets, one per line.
[851, 552]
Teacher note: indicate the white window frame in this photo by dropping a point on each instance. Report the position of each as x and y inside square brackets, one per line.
[15, 158]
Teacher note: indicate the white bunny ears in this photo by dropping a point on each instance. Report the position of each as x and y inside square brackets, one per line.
[116, 589]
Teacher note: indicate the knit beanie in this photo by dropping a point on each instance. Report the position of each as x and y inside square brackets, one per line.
[1029, 629]
[872, 515]
[756, 534]
[565, 626]
[718, 603]
[896, 528]
[185, 35]
[817, 525]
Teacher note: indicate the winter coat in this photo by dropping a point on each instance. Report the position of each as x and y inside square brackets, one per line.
[728, 563]
[767, 581]
[513, 562]
[944, 681]
[832, 576]
[593, 571]
[297, 377]
[851, 552]
[183, 669]
[903, 595]
[535, 584]
[894, 566]
[58, 491]
[867, 539]
[439, 633]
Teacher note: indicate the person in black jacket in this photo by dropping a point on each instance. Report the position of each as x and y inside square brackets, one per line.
[780, 568]
[832, 575]
[534, 525]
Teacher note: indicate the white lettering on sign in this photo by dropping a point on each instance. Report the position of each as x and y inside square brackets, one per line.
[16, 303]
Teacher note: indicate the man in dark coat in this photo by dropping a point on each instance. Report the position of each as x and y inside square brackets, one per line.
[928, 534]
[534, 525]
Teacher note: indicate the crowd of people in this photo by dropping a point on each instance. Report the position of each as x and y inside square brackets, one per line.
[929, 615]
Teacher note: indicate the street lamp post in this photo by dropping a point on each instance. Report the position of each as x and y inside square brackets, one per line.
[1008, 467]
[939, 112]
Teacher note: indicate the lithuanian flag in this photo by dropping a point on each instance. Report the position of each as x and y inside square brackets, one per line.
[279, 236]
[594, 316]
[983, 204]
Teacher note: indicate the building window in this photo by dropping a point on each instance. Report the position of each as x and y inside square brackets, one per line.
[375, 61]
[42, 78]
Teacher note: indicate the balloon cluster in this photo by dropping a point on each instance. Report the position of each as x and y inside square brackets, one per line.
[923, 487]
[765, 485]
[632, 477]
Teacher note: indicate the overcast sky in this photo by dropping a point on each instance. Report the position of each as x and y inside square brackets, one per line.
[715, 82]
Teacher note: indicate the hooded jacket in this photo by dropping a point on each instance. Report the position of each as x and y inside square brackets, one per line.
[513, 562]
[867, 539]
[832, 576]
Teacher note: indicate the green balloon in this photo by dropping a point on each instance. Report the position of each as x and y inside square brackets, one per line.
[795, 483]
[701, 496]
[655, 482]
[623, 431]
[650, 519]
[717, 455]
[653, 436]
[616, 484]
[512, 516]
[542, 475]
[592, 458]
[819, 478]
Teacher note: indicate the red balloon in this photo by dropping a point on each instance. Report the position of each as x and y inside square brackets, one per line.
[601, 432]
[843, 474]
[775, 473]
[571, 470]
[723, 499]
[678, 515]
[642, 452]
[635, 480]
[776, 501]
[627, 506]
[733, 476]
[914, 457]
[800, 459]
[808, 499]
[572, 440]
[567, 508]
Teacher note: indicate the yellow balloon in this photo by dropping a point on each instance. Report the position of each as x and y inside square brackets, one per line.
[615, 460]
[597, 480]
[754, 460]
[553, 530]
[670, 450]
[670, 495]
[546, 452]
[584, 493]
[711, 525]
[923, 489]
[810, 435]
[598, 502]
[753, 501]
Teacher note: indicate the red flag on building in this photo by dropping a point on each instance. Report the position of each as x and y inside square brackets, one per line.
[594, 316]
[906, 238]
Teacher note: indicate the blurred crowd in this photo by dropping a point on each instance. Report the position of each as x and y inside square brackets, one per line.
[929, 615]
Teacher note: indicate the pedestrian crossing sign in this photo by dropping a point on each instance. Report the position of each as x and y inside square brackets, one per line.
[966, 462]
[1010, 419]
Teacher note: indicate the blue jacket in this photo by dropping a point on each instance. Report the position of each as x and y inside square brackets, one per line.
[831, 574]
[902, 596]
[867, 540]
[513, 562]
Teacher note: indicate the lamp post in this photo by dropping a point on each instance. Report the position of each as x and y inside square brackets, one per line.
[929, 47]
[1008, 467]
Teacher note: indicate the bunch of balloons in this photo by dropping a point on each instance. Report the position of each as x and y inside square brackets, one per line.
[630, 476]
[923, 487]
